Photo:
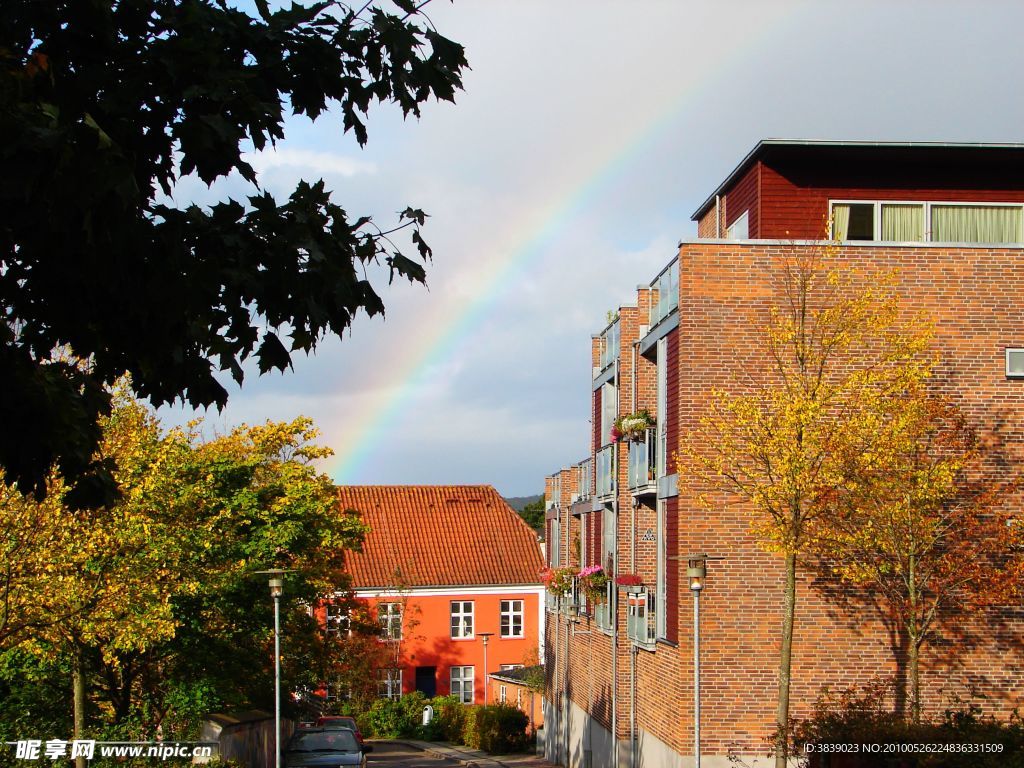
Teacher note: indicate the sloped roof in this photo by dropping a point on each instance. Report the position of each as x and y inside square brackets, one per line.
[439, 535]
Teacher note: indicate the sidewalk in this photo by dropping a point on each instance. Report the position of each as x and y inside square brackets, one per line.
[476, 758]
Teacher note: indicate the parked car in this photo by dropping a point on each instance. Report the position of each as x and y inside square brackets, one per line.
[325, 747]
[340, 721]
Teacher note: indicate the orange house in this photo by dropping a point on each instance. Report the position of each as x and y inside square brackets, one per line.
[452, 575]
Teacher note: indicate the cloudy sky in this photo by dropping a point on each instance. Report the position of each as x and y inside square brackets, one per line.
[564, 176]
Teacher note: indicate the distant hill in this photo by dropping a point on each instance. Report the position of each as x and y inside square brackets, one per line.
[518, 502]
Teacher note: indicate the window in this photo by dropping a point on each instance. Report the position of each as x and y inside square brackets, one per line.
[943, 222]
[507, 667]
[739, 229]
[390, 617]
[511, 618]
[337, 620]
[338, 691]
[661, 583]
[976, 223]
[389, 685]
[662, 407]
[1015, 363]
[462, 619]
[462, 684]
[609, 410]
[502, 694]
[607, 539]
[554, 546]
[519, 697]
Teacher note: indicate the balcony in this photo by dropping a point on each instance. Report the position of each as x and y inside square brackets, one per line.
[667, 286]
[609, 346]
[641, 627]
[584, 480]
[643, 463]
[606, 471]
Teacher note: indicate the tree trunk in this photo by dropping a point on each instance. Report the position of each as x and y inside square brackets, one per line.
[785, 663]
[78, 690]
[914, 645]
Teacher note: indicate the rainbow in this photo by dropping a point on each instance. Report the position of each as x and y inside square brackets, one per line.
[365, 434]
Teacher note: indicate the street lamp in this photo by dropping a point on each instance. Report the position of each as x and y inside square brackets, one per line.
[696, 571]
[276, 583]
[485, 636]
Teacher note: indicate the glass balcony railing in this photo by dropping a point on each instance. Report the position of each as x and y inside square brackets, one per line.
[610, 345]
[584, 480]
[606, 471]
[667, 286]
[640, 618]
[643, 462]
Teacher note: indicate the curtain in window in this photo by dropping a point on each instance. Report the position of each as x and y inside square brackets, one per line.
[840, 221]
[903, 223]
[976, 224]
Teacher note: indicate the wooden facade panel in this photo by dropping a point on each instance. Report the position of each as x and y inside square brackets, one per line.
[743, 198]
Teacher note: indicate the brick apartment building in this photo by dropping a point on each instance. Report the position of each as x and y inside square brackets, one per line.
[949, 220]
[451, 574]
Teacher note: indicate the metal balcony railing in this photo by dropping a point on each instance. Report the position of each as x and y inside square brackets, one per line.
[643, 462]
[641, 625]
[606, 471]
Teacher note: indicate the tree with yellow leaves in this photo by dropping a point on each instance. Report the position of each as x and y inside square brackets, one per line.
[838, 351]
[923, 526]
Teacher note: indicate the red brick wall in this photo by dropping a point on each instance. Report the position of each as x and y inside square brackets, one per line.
[726, 291]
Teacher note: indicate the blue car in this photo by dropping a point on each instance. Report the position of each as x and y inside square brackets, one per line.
[323, 747]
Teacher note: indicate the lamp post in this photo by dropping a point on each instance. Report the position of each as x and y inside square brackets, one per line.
[696, 571]
[485, 636]
[276, 583]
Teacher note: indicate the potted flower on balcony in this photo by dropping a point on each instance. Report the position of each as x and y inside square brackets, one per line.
[593, 581]
[634, 425]
[557, 581]
[629, 582]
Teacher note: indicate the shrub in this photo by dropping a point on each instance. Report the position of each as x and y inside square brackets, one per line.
[449, 720]
[500, 729]
[861, 720]
[470, 731]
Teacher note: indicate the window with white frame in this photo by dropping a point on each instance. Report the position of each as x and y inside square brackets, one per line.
[507, 667]
[502, 693]
[389, 615]
[462, 619]
[609, 411]
[662, 407]
[739, 229]
[511, 618]
[661, 582]
[338, 691]
[554, 550]
[462, 684]
[1015, 363]
[336, 620]
[927, 221]
[607, 539]
[389, 684]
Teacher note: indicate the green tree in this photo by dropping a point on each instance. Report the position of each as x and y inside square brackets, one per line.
[533, 514]
[104, 106]
[837, 354]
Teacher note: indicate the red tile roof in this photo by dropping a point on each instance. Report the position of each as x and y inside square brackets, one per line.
[439, 535]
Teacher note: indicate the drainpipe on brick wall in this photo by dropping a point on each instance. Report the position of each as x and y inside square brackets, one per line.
[565, 692]
[632, 706]
[614, 610]
[718, 217]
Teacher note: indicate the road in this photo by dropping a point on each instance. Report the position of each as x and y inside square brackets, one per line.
[390, 754]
